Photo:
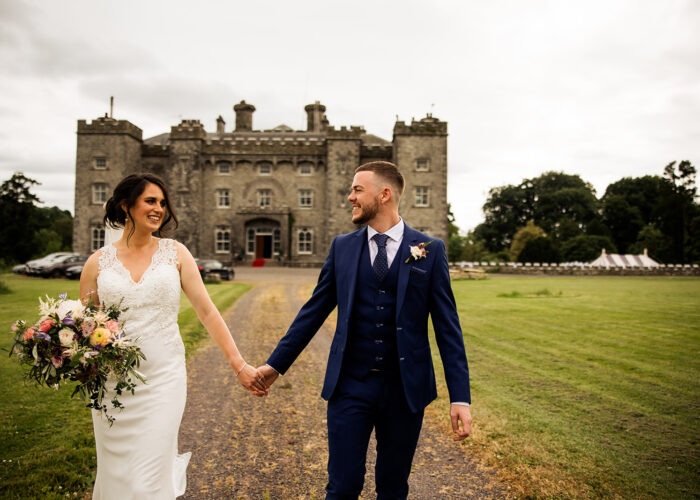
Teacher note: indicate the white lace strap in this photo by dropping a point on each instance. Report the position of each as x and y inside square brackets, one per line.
[167, 252]
[108, 254]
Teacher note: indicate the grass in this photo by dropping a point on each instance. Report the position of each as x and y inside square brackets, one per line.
[47, 448]
[592, 395]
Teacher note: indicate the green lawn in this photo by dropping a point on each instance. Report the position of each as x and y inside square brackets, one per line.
[47, 448]
[586, 387]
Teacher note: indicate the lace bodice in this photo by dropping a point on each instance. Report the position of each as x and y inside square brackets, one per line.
[153, 303]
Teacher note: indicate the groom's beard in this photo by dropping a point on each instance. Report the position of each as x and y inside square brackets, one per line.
[368, 212]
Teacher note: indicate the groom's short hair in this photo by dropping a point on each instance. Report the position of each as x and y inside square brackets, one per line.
[387, 171]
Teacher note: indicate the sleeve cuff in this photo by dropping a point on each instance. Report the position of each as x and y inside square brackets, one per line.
[460, 403]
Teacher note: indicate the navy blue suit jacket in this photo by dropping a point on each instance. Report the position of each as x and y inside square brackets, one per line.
[423, 289]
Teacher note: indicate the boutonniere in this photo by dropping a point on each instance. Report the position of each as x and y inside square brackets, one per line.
[418, 251]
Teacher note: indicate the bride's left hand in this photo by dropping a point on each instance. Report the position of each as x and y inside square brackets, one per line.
[253, 381]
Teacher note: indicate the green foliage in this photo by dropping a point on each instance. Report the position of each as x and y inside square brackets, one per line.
[27, 230]
[546, 200]
[586, 248]
[526, 233]
[650, 238]
[589, 395]
[540, 249]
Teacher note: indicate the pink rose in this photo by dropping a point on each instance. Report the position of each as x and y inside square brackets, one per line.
[46, 325]
[88, 327]
[57, 361]
[112, 325]
[29, 333]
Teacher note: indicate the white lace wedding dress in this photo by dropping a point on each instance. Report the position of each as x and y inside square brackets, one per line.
[137, 457]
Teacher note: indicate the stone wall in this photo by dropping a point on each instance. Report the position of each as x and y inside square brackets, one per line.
[534, 269]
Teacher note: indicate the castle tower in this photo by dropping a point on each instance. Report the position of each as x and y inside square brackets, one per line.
[344, 150]
[107, 150]
[184, 180]
[244, 116]
[420, 152]
[316, 120]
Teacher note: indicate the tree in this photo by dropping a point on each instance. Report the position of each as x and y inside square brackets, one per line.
[651, 239]
[679, 208]
[17, 212]
[524, 234]
[455, 243]
[27, 230]
[540, 249]
[553, 200]
[586, 248]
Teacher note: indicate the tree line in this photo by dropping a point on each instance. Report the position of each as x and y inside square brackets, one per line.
[27, 230]
[556, 217]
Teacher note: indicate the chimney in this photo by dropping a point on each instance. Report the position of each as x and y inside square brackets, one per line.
[244, 116]
[220, 125]
[316, 120]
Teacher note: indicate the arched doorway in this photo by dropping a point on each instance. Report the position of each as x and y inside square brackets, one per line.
[263, 239]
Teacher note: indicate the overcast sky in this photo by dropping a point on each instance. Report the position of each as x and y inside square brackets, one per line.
[602, 89]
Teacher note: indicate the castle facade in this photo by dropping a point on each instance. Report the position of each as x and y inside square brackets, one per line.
[245, 194]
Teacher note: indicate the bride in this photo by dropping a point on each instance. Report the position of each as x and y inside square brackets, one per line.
[137, 458]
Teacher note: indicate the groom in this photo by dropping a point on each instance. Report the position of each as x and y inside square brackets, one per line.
[380, 373]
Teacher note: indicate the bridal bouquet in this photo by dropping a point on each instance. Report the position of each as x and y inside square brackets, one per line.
[80, 343]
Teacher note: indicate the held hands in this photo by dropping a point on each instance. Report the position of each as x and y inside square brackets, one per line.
[460, 413]
[253, 380]
[269, 375]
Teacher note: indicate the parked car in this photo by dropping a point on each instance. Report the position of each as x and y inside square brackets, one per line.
[58, 268]
[34, 266]
[210, 266]
[74, 272]
[19, 269]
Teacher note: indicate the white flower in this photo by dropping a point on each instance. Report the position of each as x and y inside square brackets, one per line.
[100, 317]
[48, 307]
[65, 335]
[416, 252]
[74, 307]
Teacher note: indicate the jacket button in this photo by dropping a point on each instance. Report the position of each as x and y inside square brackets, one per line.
[379, 325]
[401, 359]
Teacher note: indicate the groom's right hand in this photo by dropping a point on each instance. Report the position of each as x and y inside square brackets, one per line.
[269, 374]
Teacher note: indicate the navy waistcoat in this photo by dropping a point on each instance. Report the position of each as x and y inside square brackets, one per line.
[372, 333]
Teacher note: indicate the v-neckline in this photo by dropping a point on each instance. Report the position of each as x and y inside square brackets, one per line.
[150, 265]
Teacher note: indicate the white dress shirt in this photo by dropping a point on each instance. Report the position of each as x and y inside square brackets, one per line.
[393, 242]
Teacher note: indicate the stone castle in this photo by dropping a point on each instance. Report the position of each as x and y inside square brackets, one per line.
[245, 194]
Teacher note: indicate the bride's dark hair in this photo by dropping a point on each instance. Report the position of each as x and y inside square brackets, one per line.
[127, 192]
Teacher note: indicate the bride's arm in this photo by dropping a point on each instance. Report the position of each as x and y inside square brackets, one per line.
[210, 317]
[88, 279]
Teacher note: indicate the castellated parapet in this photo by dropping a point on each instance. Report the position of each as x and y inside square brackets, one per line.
[106, 125]
[425, 126]
[278, 194]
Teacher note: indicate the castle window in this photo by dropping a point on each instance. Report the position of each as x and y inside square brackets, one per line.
[421, 193]
[276, 238]
[264, 169]
[223, 198]
[304, 241]
[264, 197]
[305, 168]
[100, 162]
[306, 198]
[422, 165]
[99, 193]
[97, 239]
[223, 239]
[224, 167]
[250, 244]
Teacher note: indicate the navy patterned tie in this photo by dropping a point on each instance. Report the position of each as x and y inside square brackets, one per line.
[380, 266]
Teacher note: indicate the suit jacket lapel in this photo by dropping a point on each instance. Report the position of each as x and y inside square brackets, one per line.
[353, 263]
[404, 269]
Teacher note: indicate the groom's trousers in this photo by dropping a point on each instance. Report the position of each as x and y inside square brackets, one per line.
[357, 406]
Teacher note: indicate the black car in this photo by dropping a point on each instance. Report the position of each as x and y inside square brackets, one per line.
[209, 266]
[74, 272]
[58, 268]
